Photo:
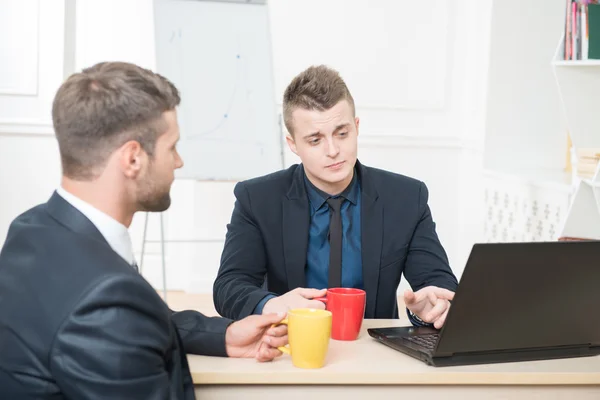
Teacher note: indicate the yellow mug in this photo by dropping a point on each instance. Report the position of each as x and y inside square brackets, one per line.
[309, 331]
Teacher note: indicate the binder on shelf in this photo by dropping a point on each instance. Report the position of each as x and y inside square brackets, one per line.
[593, 27]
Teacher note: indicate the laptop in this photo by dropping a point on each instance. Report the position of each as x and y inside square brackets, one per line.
[514, 302]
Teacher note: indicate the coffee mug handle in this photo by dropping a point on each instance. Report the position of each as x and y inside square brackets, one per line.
[283, 349]
[323, 299]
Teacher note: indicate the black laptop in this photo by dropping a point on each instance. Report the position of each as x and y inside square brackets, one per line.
[515, 302]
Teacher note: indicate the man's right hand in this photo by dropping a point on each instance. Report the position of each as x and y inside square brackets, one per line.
[297, 298]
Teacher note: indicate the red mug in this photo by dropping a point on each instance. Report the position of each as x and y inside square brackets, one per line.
[348, 309]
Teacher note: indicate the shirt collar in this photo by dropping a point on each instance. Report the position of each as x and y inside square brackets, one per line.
[115, 233]
[317, 197]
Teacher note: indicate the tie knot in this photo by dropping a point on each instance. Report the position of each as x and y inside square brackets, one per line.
[335, 203]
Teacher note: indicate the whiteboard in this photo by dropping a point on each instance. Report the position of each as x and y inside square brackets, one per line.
[218, 54]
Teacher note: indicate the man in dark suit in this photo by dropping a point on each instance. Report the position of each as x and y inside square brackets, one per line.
[331, 222]
[76, 318]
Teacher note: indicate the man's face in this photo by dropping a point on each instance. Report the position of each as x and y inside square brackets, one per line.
[153, 192]
[326, 142]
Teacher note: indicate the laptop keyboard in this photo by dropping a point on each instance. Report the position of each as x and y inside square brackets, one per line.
[426, 341]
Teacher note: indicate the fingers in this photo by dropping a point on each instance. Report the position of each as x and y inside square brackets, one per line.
[436, 312]
[431, 293]
[267, 353]
[265, 320]
[413, 301]
[276, 341]
[275, 337]
[310, 293]
[319, 305]
[442, 293]
[419, 295]
[439, 323]
[432, 297]
[279, 330]
[409, 297]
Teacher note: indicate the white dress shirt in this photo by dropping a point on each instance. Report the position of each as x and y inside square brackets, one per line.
[115, 233]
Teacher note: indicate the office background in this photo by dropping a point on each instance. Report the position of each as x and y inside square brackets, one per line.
[460, 94]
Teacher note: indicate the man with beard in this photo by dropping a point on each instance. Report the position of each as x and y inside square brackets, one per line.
[77, 320]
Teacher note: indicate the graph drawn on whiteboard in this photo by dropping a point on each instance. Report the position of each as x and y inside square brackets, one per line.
[218, 54]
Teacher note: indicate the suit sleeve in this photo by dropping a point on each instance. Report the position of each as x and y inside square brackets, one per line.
[201, 334]
[427, 263]
[237, 288]
[115, 344]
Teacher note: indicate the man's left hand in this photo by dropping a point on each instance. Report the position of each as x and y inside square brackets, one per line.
[254, 337]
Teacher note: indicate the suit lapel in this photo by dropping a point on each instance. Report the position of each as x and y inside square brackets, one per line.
[67, 215]
[296, 220]
[371, 238]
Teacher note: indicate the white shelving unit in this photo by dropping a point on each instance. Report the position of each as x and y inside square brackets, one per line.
[579, 86]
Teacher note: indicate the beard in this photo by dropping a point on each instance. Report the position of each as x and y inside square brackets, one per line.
[152, 198]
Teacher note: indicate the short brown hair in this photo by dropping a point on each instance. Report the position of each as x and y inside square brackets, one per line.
[99, 109]
[316, 88]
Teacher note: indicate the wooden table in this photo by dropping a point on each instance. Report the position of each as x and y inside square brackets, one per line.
[366, 369]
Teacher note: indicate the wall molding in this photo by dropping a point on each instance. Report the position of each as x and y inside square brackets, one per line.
[26, 128]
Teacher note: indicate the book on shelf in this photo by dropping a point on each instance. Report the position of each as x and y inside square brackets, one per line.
[582, 30]
[587, 162]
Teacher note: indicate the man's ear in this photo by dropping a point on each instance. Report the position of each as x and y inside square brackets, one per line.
[131, 158]
[291, 144]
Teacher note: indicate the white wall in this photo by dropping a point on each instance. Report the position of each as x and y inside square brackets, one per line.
[30, 72]
[527, 190]
[422, 78]
[525, 124]
[418, 74]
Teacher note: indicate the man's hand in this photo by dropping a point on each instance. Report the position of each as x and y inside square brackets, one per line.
[297, 298]
[253, 337]
[431, 304]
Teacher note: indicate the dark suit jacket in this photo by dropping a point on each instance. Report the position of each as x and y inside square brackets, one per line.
[78, 322]
[268, 235]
